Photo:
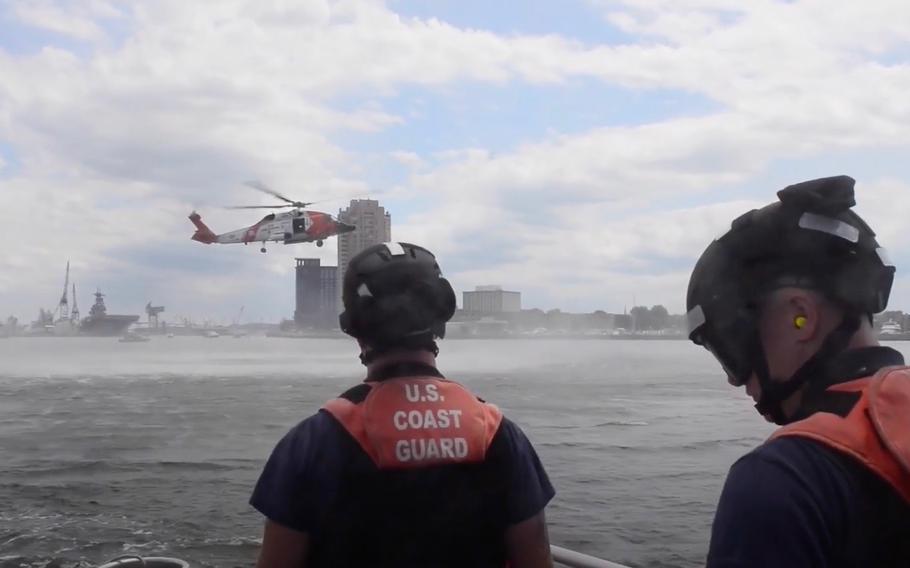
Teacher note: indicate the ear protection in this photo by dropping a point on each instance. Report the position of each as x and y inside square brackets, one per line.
[800, 322]
[449, 303]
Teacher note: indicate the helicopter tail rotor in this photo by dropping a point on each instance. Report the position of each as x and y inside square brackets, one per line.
[203, 234]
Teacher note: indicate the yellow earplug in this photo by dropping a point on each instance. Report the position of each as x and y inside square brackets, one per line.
[800, 322]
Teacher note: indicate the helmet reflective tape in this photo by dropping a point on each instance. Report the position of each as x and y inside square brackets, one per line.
[695, 318]
[883, 256]
[395, 249]
[829, 225]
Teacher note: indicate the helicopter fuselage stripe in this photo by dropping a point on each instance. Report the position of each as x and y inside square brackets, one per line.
[250, 235]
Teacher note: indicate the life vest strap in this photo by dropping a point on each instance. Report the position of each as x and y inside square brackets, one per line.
[350, 415]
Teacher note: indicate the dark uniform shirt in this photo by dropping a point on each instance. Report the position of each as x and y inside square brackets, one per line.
[318, 480]
[793, 502]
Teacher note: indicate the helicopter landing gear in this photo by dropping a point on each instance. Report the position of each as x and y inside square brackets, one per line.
[319, 243]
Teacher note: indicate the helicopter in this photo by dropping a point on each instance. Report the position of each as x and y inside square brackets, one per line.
[289, 227]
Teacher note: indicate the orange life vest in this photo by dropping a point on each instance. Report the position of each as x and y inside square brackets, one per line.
[413, 422]
[876, 431]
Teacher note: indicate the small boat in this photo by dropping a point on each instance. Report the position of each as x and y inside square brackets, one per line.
[211, 334]
[134, 338]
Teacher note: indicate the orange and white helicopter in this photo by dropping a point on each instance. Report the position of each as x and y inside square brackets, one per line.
[288, 227]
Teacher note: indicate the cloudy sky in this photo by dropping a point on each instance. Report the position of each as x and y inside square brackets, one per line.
[583, 152]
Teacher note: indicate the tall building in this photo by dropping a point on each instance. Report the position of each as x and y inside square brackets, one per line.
[316, 290]
[374, 226]
[491, 300]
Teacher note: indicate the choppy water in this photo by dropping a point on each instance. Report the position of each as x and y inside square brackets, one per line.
[109, 448]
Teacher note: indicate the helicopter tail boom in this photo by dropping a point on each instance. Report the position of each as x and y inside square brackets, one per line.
[203, 234]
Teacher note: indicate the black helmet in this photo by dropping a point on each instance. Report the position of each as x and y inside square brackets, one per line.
[809, 239]
[394, 295]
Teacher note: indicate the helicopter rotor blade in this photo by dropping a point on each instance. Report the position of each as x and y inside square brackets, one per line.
[258, 185]
[258, 206]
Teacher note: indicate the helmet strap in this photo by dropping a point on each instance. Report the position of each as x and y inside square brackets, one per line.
[774, 393]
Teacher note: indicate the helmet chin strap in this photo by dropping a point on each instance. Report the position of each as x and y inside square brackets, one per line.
[774, 392]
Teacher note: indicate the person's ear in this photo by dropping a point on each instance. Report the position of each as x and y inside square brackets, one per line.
[804, 313]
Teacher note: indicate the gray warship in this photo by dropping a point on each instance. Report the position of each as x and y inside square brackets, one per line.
[101, 323]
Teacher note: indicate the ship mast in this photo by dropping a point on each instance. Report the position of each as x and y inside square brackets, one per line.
[63, 308]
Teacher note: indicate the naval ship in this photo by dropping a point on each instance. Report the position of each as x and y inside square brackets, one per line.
[65, 322]
[99, 322]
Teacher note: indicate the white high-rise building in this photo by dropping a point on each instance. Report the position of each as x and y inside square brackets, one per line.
[374, 226]
[491, 300]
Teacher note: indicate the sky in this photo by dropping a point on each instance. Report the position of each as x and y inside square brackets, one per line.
[583, 152]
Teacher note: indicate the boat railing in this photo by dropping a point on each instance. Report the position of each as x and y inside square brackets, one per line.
[561, 556]
[565, 557]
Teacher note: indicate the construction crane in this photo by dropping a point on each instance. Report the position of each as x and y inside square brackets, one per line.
[235, 325]
[74, 315]
[153, 312]
[63, 308]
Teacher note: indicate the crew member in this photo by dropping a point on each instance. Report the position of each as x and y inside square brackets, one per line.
[784, 301]
[407, 468]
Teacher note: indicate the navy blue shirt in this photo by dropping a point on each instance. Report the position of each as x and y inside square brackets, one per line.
[318, 480]
[795, 503]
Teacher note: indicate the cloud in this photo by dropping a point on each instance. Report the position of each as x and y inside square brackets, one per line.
[790, 87]
[584, 258]
[69, 20]
[407, 159]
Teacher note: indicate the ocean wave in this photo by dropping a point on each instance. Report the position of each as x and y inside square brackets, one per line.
[154, 545]
[598, 425]
[234, 541]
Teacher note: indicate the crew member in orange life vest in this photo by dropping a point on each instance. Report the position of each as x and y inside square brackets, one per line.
[407, 468]
[784, 301]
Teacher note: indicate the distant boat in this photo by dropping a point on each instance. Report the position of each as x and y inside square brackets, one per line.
[211, 334]
[891, 327]
[134, 338]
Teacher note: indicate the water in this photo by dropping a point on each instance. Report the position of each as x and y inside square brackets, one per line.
[110, 448]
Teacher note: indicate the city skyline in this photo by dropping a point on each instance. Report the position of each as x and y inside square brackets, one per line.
[228, 313]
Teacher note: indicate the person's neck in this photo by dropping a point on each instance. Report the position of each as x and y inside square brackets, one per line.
[864, 337]
[418, 356]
